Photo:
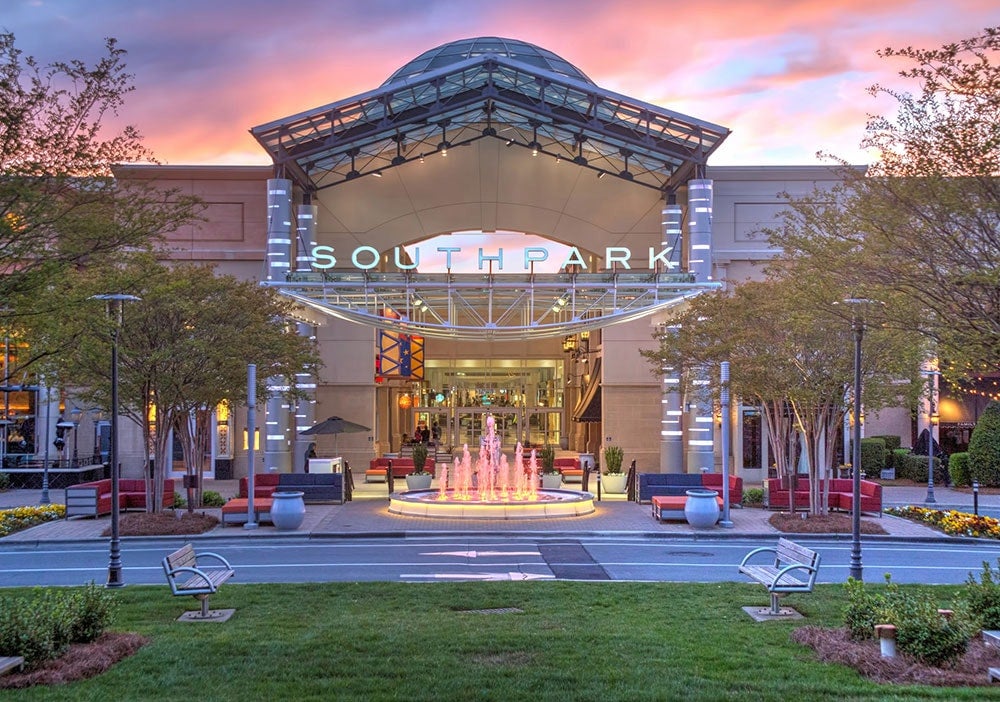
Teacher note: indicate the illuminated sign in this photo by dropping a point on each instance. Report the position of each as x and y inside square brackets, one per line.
[367, 257]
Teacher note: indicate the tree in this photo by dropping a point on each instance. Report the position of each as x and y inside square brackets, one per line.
[60, 206]
[184, 348]
[920, 230]
[791, 357]
[984, 447]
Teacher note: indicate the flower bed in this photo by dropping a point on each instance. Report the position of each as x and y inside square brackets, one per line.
[18, 518]
[951, 522]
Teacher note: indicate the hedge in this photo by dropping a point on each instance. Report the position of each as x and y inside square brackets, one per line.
[984, 447]
[872, 456]
[958, 468]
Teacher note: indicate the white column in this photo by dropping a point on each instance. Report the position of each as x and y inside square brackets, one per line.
[305, 381]
[277, 410]
[671, 423]
[700, 229]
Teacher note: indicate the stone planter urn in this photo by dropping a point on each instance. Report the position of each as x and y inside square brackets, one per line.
[701, 509]
[419, 482]
[287, 510]
[614, 482]
[551, 481]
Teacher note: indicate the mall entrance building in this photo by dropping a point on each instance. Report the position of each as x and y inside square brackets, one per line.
[489, 231]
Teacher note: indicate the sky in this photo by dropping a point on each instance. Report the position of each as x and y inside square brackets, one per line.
[788, 77]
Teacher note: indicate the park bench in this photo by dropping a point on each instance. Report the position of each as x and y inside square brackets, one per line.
[186, 577]
[10, 662]
[794, 570]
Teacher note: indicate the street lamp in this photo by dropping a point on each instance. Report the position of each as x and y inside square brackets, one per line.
[858, 307]
[115, 304]
[74, 417]
[932, 419]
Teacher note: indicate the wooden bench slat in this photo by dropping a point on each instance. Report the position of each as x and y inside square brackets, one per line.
[794, 569]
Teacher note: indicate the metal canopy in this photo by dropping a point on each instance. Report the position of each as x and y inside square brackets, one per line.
[490, 95]
[472, 306]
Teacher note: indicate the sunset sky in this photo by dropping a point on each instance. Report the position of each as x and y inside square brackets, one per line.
[788, 77]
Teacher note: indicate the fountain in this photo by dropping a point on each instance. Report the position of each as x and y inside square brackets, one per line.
[492, 488]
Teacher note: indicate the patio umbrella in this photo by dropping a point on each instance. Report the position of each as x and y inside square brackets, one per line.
[335, 425]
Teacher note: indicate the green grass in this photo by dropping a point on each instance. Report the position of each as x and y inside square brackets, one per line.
[392, 641]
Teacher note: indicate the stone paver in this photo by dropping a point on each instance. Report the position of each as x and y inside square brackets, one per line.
[368, 515]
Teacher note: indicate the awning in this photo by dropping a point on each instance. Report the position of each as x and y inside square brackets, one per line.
[588, 409]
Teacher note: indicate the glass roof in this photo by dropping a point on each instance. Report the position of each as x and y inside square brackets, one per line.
[453, 52]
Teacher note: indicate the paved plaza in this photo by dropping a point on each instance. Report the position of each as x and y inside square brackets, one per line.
[368, 515]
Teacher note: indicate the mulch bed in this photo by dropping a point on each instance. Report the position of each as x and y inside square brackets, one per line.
[833, 523]
[168, 523]
[80, 662]
[835, 646]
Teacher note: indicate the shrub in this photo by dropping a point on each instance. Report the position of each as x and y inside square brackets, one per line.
[983, 598]
[892, 460]
[419, 458]
[892, 442]
[210, 498]
[92, 610]
[4, 481]
[958, 469]
[180, 502]
[547, 459]
[872, 456]
[921, 631]
[42, 626]
[753, 497]
[912, 466]
[984, 447]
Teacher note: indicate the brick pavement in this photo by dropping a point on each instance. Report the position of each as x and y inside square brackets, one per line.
[368, 515]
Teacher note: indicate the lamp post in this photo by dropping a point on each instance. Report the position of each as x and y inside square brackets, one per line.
[96, 415]
[115, 304]
[45, 454]
[858, 307]
[932, 417]
[74, 417]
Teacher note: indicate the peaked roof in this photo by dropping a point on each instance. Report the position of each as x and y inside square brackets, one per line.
[489, 87]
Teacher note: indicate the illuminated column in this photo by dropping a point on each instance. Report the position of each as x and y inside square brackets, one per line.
[700, 425]
[278, 410]
[700, 229]
[671, 426]
[672, 221]
[305, 381]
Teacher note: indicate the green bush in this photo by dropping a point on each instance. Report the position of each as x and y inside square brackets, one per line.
[892, 459]
[892, 442]
[43, 625]
[210, 498]
[983, 597]
[753, 497]
[180, 502]
[911, 466]
[4, 481]
[958, 469]
[872, 456]
[984, 447]
[921, 630]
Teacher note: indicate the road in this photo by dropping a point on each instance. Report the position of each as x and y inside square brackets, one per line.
[450, 558]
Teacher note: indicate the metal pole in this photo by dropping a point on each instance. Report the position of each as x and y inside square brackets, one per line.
[855, 568]
[931, 387]
[975, 497]
[251, 437]
[726, 410]
[115, 563]
[45, 454]
[114, 306]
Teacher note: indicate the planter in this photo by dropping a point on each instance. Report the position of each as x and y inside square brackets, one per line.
[614, 482]
[701, 509]
[287, 510]
[551, 481]
[419, 482]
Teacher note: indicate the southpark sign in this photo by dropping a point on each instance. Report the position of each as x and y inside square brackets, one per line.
[368, 257]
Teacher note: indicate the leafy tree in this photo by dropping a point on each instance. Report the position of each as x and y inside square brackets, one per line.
[792, 358]
[60, 206]
[984, 447]
[920, 230]
[184, 347]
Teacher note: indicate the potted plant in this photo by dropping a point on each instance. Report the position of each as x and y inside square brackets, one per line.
[614, 478]
[551, 478]
[419, 479]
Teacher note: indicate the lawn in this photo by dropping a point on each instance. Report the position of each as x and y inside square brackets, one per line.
[534, 641]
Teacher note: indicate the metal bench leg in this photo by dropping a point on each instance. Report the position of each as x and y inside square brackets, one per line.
[204, 605]
[775, 603]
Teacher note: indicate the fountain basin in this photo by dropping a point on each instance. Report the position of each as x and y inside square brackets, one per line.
[549, 504]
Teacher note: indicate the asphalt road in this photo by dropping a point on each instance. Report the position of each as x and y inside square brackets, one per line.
[450, 558]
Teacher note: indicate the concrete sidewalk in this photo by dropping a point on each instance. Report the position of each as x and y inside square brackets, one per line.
[368, 515]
